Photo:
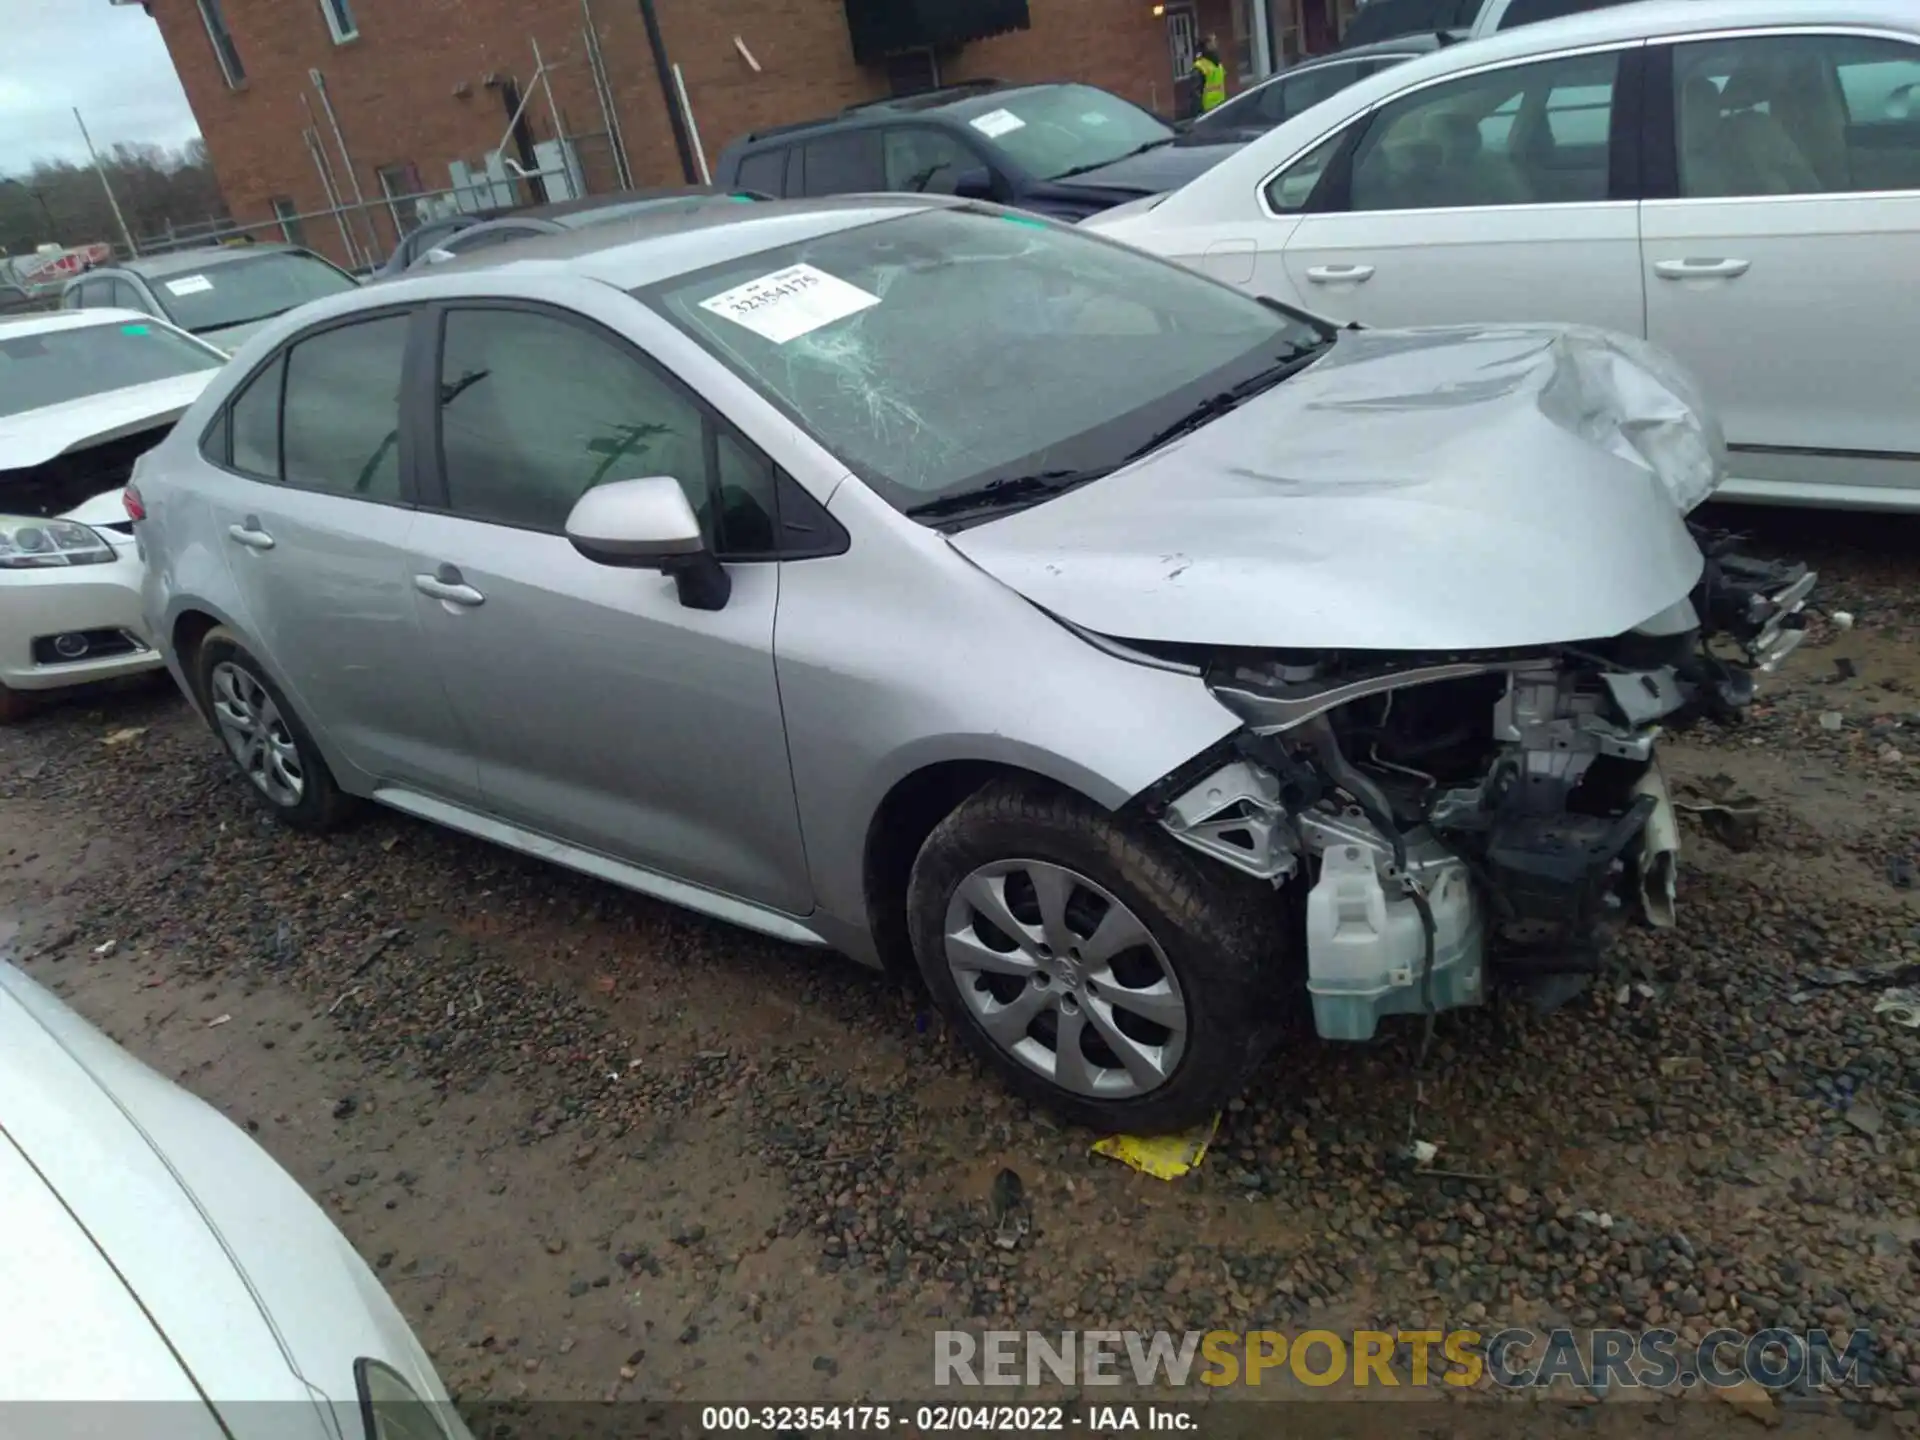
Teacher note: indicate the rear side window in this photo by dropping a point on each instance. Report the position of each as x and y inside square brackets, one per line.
[765, 171]
[844, 164]
[342, 409]
[255, 423]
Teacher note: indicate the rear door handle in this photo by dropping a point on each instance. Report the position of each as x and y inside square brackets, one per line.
[1338, 274]
[447, 584]
[1701, 269]
[249, 534]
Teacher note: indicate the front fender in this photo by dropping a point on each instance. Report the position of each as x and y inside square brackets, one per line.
[901, 655]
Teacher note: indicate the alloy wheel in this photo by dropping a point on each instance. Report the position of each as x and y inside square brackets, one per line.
[257, 734]
[1061, 975]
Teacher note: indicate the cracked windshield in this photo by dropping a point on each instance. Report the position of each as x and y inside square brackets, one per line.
[942, 351]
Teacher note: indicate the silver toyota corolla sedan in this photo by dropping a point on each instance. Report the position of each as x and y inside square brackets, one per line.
[1143, 660]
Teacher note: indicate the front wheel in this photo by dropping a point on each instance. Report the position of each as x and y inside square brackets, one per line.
[265, 739]
[1097, 967]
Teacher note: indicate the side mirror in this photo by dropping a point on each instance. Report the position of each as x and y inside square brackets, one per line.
[974, 184]
[648, 525]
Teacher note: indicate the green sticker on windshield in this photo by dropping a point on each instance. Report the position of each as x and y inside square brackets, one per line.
[136, 329]
[1025, 220]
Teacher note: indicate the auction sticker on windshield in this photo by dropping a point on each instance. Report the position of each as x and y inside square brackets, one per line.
[996, 123]
[789, 303]
[189, 285]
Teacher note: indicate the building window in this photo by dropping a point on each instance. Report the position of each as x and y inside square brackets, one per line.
[224, 50]
[339, 20]
[288, 214]
[400, 184]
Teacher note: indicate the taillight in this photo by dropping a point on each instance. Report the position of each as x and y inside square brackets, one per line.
[136, 508]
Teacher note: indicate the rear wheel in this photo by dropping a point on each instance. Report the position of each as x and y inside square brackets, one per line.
[264, 737]
[1100, 969]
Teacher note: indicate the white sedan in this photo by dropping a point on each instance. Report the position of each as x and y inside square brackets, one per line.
[1737, 181]
[155, 1254]
[83, 394]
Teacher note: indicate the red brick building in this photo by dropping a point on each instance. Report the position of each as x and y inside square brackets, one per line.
[420, 91]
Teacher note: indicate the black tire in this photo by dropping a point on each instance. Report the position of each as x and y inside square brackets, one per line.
[1227, 939]
[322, 804]
[16, 705]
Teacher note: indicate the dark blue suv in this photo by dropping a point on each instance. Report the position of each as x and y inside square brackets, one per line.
[1062, 150]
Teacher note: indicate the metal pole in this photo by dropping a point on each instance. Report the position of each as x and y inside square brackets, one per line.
[693, 125]
[603, 91]
[100, 170]
[1262, 42]
[681, 141]
[609, 110]
[333, 196]
[546, 83]
[353, 179]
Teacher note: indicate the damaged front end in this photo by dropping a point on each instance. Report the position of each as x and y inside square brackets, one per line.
[1465, 817]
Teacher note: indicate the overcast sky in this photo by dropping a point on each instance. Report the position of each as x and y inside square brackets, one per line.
[107, 59]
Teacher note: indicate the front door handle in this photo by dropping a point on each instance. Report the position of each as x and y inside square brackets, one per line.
[1339, 274]
[249, 534]
[449, 585]
[1701, 269]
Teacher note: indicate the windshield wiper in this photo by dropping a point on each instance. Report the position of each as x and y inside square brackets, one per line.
[249, 320]
[1214, 406]
[1009, 491]
[1102, 164]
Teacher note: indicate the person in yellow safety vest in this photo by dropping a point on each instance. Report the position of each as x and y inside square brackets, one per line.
[1210, 76]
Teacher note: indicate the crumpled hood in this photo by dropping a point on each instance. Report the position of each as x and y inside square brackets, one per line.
[1438, 489]
[1166, 168]
[34, 437]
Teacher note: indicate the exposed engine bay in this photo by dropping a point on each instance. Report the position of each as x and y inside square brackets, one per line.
[1459, 818]
[69, 480]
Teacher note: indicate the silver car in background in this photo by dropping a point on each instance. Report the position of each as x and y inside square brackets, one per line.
[949, 587]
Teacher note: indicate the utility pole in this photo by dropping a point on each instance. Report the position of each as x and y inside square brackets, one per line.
[100, 170]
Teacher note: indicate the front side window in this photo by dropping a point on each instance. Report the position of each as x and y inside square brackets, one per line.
[1522, 135]
[1289, 191]
[72, 361]
[926, 161]
[844, 164]
[229, 292]
[341, 417]
[536, 410]
[1058, 353]
[1797, 115]
[1055, 132]
[765, 171]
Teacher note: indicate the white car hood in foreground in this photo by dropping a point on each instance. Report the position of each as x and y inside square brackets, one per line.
[34, 437]
[1442, 489]
[256, 1293]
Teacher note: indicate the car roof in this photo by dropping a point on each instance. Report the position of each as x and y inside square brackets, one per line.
[35, 322]
[553, 209]
[645, 249]
[1654, 19]
[1419, 42]
[199, 258]
[957, 101]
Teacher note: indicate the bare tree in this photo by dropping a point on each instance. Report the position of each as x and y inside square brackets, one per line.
[61, 203]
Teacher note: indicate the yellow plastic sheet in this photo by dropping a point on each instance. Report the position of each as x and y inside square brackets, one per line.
[1165, 1157]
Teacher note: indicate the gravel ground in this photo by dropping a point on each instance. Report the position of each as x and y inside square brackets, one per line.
[600, 1147]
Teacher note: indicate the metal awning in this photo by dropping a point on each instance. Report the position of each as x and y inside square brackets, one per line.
[880, 28]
